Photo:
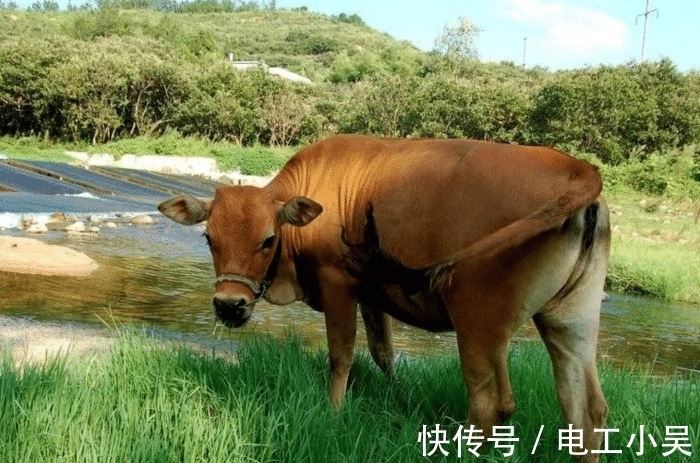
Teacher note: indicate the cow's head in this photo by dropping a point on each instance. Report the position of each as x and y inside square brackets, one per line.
[243, 232]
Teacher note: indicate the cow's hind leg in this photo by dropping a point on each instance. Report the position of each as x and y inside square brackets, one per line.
[378, 329]
[484, 322]
[569, 328]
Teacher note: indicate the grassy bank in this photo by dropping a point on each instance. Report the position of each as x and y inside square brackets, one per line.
[655, 246]
[153, 405]
[255, 160]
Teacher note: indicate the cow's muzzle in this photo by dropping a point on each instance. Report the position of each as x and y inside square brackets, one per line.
[233, 311]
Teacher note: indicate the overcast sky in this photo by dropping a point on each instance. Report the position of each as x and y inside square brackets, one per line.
[561, 34]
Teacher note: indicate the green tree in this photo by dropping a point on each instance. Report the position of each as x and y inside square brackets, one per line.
[458, 42]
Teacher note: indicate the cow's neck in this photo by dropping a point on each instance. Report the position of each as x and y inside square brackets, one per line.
[285, 287]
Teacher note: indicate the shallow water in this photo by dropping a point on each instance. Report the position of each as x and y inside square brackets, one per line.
[159, 277]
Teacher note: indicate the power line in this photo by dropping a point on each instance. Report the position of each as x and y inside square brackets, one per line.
[647, 12]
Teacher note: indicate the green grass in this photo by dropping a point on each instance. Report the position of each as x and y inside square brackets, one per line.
[256, 160]
[655, 247]
[668, 271]
[143, 403]
[29, 148]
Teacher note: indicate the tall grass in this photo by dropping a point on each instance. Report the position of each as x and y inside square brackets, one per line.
[143, 403]
[668, 271]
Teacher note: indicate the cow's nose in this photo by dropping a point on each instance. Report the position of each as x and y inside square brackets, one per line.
[231, 309]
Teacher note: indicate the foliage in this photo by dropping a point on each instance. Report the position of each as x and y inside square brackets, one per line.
[10, 5]
[671, 175]
[618, 112]
[257, 160]
[458, 42]
[142, 68]
[350, 18]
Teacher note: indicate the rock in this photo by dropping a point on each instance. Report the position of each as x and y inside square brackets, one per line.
[26, 223]
[110, 225]
[643, 203]
[26, 255]
[78, 227]
[94, 219]
[93, 229]
[58, 226]
[37, 228]
[58, 217]
[143, 220]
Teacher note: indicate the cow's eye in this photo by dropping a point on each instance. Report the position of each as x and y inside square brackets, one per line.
[268, 243]
[207, 237]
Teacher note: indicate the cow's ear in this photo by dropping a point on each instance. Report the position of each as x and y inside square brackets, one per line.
[185, 209]
[299, 211]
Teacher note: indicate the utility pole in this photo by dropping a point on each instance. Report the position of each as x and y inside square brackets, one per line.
[646, 14]
[524, 49]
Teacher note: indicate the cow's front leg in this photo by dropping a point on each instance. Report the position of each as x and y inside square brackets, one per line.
[378, 328]
[340, 311]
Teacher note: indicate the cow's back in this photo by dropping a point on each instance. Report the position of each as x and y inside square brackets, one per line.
[429, 197]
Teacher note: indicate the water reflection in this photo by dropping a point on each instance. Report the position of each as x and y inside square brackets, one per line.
[160, 276]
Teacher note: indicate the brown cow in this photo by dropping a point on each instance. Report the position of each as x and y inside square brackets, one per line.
[441, 234]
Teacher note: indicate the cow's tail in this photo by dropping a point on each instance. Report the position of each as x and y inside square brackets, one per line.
[586, 185]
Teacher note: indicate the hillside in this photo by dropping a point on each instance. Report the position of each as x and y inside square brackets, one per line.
[316, 46]
[108, 74]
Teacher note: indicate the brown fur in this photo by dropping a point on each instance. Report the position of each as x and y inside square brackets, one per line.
[443, 234]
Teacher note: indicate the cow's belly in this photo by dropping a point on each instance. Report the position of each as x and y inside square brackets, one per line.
[422, 309]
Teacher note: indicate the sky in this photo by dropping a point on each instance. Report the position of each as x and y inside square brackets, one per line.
[561, 34]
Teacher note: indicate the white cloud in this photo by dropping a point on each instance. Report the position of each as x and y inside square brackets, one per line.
[568, 28]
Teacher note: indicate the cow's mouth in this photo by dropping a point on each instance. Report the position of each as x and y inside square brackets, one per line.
[231, 322]
[232, 313]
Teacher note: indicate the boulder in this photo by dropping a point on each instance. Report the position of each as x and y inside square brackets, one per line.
[58, 226]
[143, 220]
[26, 223]
[37, 228]
[76, 227]
[27, 255]
[58, 217]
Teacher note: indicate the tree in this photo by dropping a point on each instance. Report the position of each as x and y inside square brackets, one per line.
[458, 42]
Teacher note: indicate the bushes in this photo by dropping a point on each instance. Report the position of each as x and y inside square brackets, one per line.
[672, 174]
[616, 111]
[106, 74]
[251, 161]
